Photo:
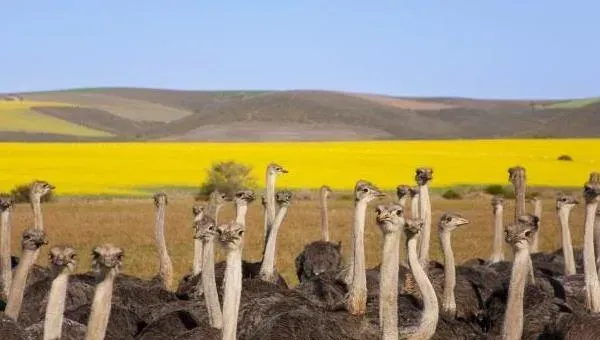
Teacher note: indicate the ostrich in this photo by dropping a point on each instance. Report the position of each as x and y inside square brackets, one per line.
[206, 231]
[5, 260]
[423, 176]
[107, 261]
[166, 266]
[319, 256]
[273, 169]
[591, 193]
[231, 238]
[62, 263]
[497, 248]
[267, 268]
[564, 204]
[37, 191]
[31, 241]
[536, 202]
[518, 178]
[198, 211]
[402, 191]
[520, 237]
[241, 200]
[389, 219]
[364, 192]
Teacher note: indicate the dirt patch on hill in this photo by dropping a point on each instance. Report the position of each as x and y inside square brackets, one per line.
[408, 104]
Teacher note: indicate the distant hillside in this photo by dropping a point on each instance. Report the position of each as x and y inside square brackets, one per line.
[128, 114]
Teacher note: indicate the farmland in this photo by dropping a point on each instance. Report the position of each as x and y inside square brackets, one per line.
[139, 168]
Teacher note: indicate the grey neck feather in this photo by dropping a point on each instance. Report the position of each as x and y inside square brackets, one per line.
[166, 266]
[589, 261]
[209, 286]
[425, 215]
[17, 287]
[56, 306]
[270, 207]
[430, 313]
[497, 246]
[324, 219]
[449, 300]
[357, 299]
[388, 286]
[101, 306]
[414, 206]
[512, 329]
[5, 262]
[231, 296]
[267, 267]
[520, 188]
[566, 243]
[38, 219]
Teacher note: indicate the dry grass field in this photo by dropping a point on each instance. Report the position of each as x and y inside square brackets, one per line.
[129, 223]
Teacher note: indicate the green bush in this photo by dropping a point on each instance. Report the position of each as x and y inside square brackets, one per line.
[564, 158]
[451, 194]
[227, 177]
[494, 189]
[20, 194]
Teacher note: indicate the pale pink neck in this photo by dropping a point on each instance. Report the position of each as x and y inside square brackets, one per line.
[497, 247]
[513, 316]
[209, 286]
[101, 307]
[17, 287]
[589, 260]
[357, 298]
[5, 262]
[56, 306]
[566, 243]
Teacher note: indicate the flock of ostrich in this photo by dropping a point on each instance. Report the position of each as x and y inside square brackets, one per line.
[536, 295]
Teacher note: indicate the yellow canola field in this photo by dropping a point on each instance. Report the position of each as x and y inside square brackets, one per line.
[128, 168]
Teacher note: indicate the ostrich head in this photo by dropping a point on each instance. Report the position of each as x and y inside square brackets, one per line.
[365, 191]
[231, 235]
[242, 197]
[107, 257]
[423, 175]
[412, 227]
[529, 219]
[519, 235]
[389, 217]
[284, 198]
[198, 209]
[160, 199]
[33, 239]
[62, 257]
[205, 228]
[497, 202]
[402, 190]
[591, 192]
[5, 203]
[218, 198]
[450, 221]
[564, 201]
[40, 188]
[325, 190]
[516, 174]
[275, 169]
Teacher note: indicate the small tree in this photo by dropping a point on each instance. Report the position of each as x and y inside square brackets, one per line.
[227, 177]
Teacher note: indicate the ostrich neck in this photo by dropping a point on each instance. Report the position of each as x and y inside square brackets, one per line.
[449, 301]
[166, 266]
[56, 306]
[270, 201]
[512, 329]
[357, 301]
[589, 260]
[360, 211]
[15, 297]
[38, 220]
[5, 263]
[324, 219]
[537, 211]
[212, 210]
[414, 206]
[430, 313]
[209, 286]
[567, 245]
[267, 266]
[240, 213]
[388, 288]
[101, 305]
[597, 240]
[231, 296]
[519, 187]
[425, 214]
[497, 247]
[197, 262]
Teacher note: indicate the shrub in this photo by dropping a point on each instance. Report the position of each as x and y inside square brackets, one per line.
[495, 189]
[564, 158]
[451, 194]
[20, 194]
[227, 177]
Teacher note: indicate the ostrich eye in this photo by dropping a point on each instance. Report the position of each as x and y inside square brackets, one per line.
[241, 232]
[527, 233]
[398, 212]
[378, 211]
[448, 219]
[365, 190]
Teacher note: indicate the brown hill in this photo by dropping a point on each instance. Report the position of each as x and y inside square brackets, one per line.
[156, 114]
